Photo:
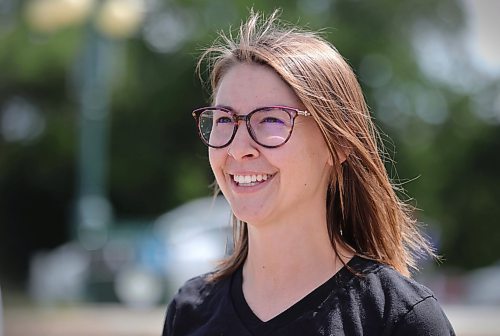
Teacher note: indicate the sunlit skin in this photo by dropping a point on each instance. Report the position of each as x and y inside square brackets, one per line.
[299, 169]
[289, 250]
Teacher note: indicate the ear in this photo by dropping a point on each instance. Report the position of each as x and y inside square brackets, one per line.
[330, 160]
[341, 154]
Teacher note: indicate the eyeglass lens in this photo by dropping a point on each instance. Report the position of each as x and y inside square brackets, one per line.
[269, 127]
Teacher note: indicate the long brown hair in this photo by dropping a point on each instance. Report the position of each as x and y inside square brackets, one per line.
[364, 211]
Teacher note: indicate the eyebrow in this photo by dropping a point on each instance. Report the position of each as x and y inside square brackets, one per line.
[236, 111]
[226, 107]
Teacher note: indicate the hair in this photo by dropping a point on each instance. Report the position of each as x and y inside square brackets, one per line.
[364, 212]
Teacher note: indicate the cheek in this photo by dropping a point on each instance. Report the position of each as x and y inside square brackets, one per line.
[216, 158]
[312, 162]
[318, 149]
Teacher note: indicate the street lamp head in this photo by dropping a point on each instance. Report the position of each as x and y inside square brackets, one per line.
[113, 18]
[120, 18]
[47, 16]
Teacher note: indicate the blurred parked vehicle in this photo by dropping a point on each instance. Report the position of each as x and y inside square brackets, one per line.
[141, 264]
[483, 286]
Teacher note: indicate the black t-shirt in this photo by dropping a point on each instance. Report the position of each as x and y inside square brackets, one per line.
[365, 298]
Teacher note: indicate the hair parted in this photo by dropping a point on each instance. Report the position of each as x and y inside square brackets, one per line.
[363, 210]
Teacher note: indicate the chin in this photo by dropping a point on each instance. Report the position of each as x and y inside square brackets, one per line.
[251, 209]
[249, 217]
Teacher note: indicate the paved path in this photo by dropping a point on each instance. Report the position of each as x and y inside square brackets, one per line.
[95, 320]
[105, 320]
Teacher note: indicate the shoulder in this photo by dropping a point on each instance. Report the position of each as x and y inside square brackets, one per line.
[401, 302]
[199, 292]
[194, 303]
[387, 283]
[425, 318]
[195, 290]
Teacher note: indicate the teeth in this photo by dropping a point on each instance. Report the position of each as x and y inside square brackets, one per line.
[247, 179]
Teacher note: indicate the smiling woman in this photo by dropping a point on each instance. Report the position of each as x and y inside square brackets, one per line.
[297, 170]
[323, 246]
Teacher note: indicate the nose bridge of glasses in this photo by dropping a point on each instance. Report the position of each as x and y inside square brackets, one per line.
[241, 117]
[242, 137]
[244, 118]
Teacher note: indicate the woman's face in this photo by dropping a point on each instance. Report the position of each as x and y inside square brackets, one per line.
[292, 179]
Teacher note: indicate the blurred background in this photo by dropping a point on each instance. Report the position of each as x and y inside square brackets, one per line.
[104, 185]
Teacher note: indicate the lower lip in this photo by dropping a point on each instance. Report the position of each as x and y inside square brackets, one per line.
[250, 189]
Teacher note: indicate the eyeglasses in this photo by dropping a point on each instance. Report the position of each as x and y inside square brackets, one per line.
[269, 126]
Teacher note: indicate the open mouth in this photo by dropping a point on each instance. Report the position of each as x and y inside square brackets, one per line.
[251, 180]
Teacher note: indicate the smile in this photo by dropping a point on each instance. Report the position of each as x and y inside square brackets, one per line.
[250, 180]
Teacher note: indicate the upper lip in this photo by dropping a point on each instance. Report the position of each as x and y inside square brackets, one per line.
[247, 173]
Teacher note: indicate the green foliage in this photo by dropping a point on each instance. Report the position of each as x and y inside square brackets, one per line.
[157, 162]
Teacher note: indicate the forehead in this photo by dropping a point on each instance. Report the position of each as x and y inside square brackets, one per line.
[248, 86]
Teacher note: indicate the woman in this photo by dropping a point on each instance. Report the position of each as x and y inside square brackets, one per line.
[322, 243]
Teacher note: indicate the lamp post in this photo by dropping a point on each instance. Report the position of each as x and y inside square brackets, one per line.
[94, 75]
[107, 23]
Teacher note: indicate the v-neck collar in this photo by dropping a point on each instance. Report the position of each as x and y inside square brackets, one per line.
[308, 304]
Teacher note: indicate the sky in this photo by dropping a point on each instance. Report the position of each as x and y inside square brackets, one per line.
[483, 33]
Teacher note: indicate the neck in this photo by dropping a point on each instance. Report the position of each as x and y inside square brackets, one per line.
[296, 248]
[287, 260]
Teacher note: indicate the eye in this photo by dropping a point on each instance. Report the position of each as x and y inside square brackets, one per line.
[223, 120]
[272, 120]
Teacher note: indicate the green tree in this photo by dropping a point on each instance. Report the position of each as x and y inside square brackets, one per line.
[443, 143]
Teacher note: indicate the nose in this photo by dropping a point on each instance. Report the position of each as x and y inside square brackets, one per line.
[242, 147]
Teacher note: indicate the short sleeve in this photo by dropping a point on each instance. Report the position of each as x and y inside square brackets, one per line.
[426, 318]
